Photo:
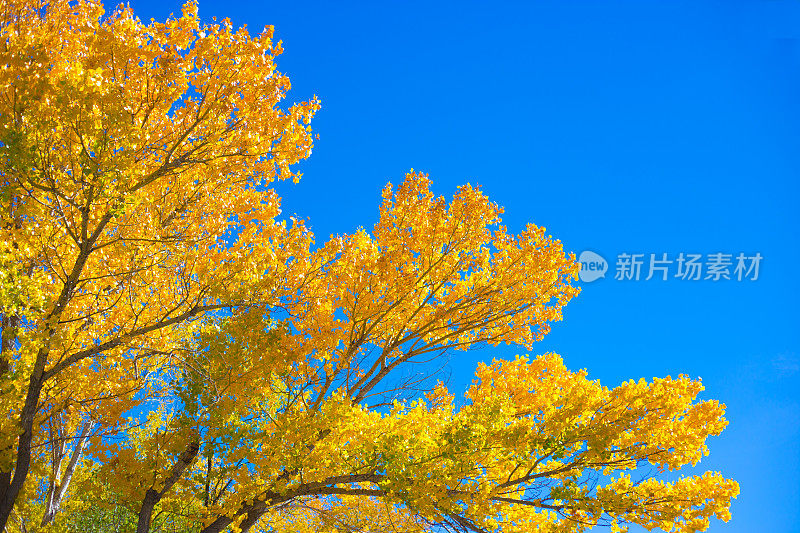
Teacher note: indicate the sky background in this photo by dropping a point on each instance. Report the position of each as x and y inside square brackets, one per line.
[638, 127]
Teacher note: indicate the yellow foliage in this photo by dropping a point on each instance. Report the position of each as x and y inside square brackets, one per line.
[229, 375]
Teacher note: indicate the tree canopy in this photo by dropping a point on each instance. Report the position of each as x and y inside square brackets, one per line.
[176, 356]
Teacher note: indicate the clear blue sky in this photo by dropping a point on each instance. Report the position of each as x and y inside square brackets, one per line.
[639, 127]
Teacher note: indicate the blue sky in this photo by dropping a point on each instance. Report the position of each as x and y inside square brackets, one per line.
[634, 127]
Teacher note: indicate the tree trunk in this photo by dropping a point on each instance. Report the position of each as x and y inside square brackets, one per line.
[152, 497]
[11, 490]
[58, 490]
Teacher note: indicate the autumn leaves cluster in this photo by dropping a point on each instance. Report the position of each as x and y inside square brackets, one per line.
[177, 356]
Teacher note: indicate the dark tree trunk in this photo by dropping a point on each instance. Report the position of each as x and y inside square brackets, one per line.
[152, 497]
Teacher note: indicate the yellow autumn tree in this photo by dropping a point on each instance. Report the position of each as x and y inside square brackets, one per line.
[174, 355]
[127, 152]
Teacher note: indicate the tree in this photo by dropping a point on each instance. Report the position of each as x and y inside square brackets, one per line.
[178, 358]
[127, 153]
